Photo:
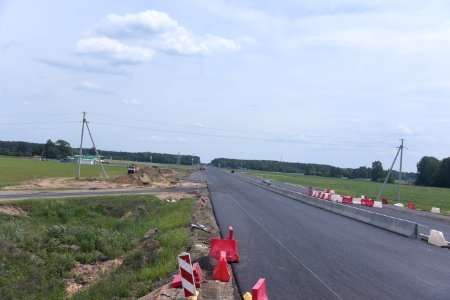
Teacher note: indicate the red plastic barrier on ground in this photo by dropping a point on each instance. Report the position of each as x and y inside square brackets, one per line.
[310, 193]
[319, 194]
[348, 200]
[221, 271]
[411, 206]
[327, 190]
[229, 246]
[384, 201]
[370, 202]
[259, 290]
[176, 281]
[329, 197]
[198, 275]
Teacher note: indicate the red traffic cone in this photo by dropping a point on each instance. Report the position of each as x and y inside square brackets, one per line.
[221, 271]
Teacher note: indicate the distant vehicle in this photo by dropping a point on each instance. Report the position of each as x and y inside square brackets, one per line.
[232, 171]
[201, 168]
[133, 169]
[266, 181]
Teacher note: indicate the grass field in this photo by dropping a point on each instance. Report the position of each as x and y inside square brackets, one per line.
[37, 250]
[423, 197]
[15, 170]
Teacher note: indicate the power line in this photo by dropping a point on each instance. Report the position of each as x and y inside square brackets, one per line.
[224, 129]
[239, 137]
[37, 123]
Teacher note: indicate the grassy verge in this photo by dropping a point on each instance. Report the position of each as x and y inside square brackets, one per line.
[38, 250]
[423, 197]
[16, 170]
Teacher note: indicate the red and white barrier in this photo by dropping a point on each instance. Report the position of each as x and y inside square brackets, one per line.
[187, 274]
[203, 200]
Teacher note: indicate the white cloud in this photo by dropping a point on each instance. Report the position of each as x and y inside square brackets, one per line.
[115, 51]
[138, 25]
[84, 66]
[132, 102]
[158, 31]
[93, 87]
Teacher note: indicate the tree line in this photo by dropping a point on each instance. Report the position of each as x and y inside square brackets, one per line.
[62, 149]
[433, 172]
[375, 173]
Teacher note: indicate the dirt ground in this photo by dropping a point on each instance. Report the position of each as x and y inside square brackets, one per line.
[84, 274]
[155, 178]
[198, 248]
[12, 211]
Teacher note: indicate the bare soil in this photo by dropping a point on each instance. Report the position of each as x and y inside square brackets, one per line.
[12, 210]
[84, 274]
[156, 178]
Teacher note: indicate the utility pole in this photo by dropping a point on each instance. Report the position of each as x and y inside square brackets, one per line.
[96, 152]
[178, 158]
[81, 145]
[400, 150]
[400, 171]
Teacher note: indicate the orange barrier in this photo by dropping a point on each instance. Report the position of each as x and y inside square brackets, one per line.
[221, 271]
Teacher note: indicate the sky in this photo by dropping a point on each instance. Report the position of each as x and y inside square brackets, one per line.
[336, 82]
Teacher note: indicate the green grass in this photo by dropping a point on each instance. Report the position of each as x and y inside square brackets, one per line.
[423, 197]
[15, 170]
[38, 250]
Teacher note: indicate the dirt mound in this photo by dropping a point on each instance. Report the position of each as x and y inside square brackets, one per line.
[12, 211]
[83, 275]
[133, 179]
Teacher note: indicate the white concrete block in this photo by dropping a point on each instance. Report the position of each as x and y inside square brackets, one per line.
[437, 238]
[399, 205]
[377, 204]
[332, 192]
[436, 210]
[357, 201]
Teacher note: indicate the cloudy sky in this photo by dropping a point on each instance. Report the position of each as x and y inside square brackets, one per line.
[335, 82]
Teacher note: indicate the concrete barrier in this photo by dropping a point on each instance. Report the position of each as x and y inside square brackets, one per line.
[400, 226]
[435, 210]
[437, 238]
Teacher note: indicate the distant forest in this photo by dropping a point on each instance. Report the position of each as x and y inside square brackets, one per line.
[313, 169]
[61, 149]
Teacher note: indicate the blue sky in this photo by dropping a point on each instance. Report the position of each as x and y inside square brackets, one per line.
[334, 82]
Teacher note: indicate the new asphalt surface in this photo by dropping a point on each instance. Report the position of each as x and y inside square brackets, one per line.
[425, 220]
[308, 253]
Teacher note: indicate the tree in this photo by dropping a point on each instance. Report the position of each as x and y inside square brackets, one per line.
[50, 150]
[427, 171]
[443, 173]
[64, 148]
[377, 171]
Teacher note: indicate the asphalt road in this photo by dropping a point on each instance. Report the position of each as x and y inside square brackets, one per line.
[426, 220]
[8, 196]
[308, 253]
